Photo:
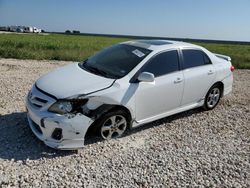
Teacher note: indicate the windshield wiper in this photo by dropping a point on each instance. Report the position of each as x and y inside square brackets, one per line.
[98, 71]
[94, 70]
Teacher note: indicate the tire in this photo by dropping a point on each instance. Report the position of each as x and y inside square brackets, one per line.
[212, 97]
[112, 125]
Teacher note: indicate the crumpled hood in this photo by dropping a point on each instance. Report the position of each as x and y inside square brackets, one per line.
[71, 80]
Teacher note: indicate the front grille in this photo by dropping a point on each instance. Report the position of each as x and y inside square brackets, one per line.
[41, 100]
[37, 99]
[38, 102]
[36, 105]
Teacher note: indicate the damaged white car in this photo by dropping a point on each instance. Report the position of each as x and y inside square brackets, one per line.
[124, 86]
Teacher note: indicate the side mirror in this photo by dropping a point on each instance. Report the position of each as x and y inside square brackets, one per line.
[146, 77]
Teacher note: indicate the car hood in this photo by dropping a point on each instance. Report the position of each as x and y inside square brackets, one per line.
[71, 80]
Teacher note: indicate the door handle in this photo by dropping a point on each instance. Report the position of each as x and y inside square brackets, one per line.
[210, 72]
[178, 80]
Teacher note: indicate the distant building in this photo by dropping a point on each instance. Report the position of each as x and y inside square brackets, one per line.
[36, 30]
[21, 29]
[4, 28]
[13, 28]
[28, 29]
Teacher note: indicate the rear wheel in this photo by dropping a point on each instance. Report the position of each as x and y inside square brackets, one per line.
[112, 125]
[213, 97]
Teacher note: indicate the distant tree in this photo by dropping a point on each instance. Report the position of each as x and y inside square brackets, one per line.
[68, 31]
[76, 32]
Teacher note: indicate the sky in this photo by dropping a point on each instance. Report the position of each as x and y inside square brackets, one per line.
[196, 19]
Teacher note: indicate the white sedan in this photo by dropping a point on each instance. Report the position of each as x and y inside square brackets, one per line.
[124, 86]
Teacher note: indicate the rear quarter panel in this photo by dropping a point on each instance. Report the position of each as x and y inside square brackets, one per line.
[224, 74]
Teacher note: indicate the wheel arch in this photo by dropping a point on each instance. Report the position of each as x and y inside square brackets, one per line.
[221, 85]
[103, 109]
[218, 84]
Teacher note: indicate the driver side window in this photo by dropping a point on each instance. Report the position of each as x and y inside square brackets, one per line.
[163, 63]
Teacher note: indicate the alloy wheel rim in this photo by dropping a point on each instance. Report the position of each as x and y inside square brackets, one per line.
[113, 127]
[213, 97]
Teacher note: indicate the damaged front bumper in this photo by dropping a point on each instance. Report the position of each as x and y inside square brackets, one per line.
[58, 131]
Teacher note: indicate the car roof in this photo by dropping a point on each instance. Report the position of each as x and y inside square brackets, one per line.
[157, 45]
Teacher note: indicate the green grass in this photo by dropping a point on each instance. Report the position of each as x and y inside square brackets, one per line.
[240, 54]
[53, 46]
[76, 48]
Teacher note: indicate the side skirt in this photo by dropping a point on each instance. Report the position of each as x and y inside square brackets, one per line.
[169, 113]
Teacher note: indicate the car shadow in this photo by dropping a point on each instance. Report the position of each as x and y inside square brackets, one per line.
[17, 142]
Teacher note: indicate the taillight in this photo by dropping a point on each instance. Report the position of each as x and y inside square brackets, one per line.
[232, 68]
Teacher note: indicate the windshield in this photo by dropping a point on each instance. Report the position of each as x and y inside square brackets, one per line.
[115, 61]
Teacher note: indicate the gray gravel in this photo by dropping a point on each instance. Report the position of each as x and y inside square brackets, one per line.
[194, 148]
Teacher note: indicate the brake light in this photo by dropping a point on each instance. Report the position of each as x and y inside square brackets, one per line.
[232, 68]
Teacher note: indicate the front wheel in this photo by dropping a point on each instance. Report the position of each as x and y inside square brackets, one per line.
[112, 125]
[213, 97]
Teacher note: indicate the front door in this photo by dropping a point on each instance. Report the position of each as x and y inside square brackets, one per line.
[153, 99]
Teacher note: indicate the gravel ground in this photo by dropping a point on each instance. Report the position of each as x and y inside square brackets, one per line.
[194, 148]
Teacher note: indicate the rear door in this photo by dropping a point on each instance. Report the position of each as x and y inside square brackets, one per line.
[165, 94]
[199, 74]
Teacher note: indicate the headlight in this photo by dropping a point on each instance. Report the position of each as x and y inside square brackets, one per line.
[68, 106]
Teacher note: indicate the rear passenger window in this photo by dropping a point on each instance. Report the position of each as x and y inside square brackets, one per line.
[206, 59]
[194, 58]
[163, 63]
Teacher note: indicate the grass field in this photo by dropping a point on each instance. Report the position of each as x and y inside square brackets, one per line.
[76, 48]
